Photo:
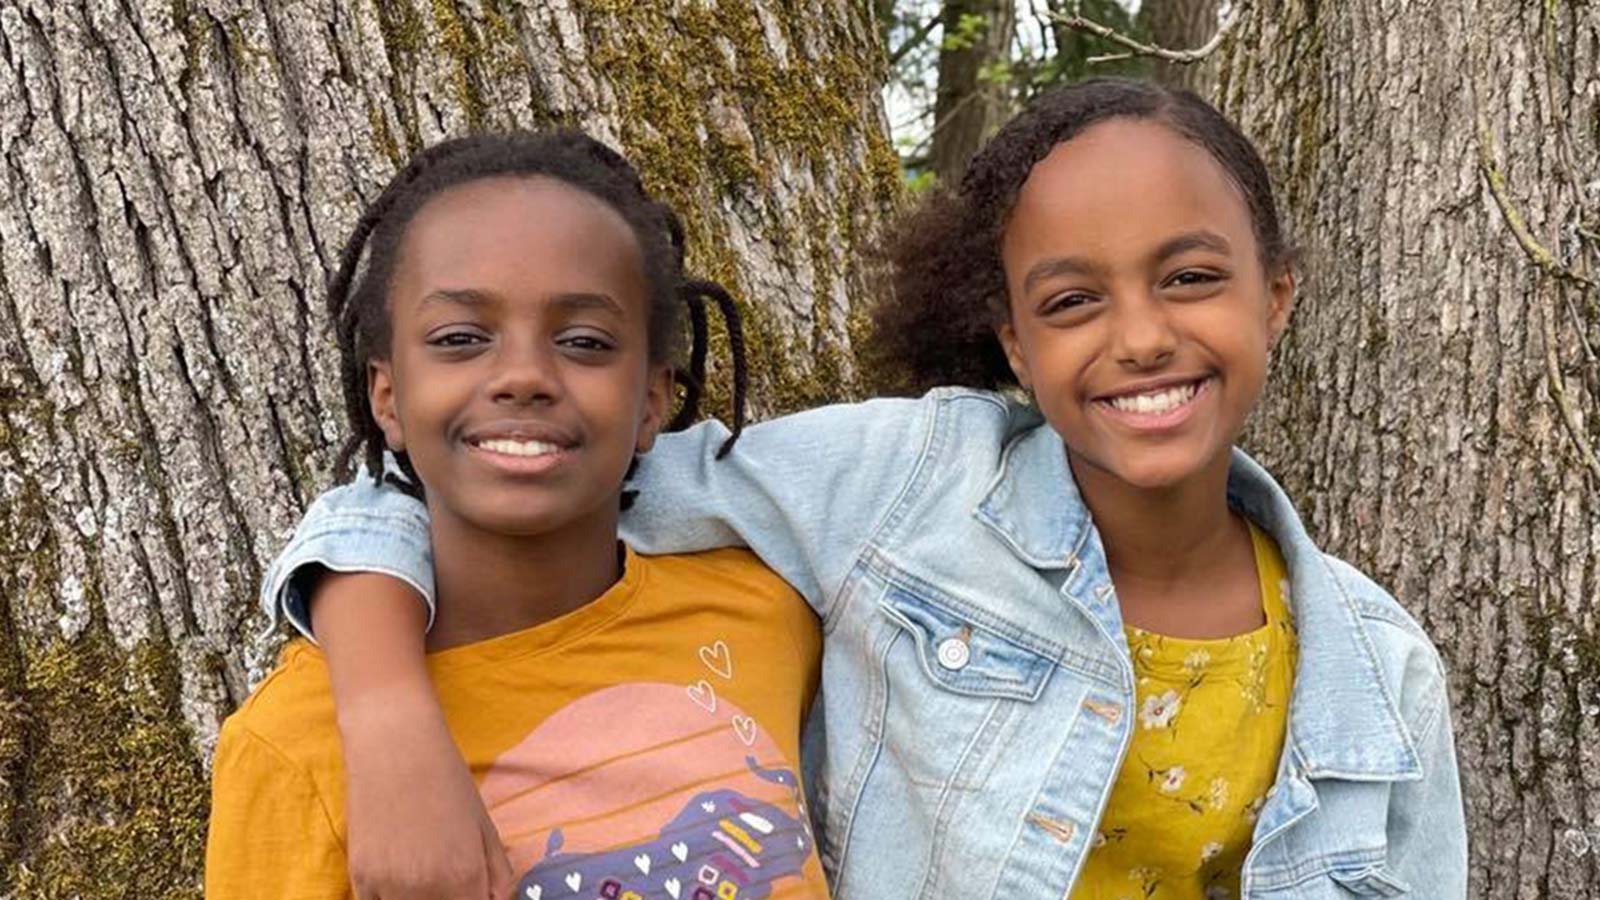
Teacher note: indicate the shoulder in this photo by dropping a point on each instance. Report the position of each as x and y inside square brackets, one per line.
[733, 569]
[735, 578]
[895, 415]
[290, 715]
[1411, 664]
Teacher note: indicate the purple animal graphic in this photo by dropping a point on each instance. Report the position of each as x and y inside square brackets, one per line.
[723, 845]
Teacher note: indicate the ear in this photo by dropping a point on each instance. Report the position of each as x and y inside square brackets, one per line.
[1280, 304]
[657, 398]
[380, 399]
[1007, 333]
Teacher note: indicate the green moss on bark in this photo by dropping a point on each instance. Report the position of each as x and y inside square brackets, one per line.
[111, 777]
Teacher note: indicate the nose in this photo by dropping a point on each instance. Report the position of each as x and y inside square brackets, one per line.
[1143, 334]
[524, 375]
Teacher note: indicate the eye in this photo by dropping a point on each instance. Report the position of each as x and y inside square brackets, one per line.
[1193, 278]
[1064, 302]
[456, 339]
[586, 341]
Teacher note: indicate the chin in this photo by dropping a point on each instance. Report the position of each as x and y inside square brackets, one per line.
[512, 518]
[1154, 471]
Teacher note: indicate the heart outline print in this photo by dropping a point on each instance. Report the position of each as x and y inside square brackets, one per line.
[718, 658]
[704, 695]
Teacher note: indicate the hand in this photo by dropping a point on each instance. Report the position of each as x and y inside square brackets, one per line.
[417, 826]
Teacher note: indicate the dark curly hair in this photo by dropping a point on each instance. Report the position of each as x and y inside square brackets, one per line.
[948, 288]
[358, 296]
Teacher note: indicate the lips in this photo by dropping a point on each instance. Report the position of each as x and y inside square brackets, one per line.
[1155, 404]
[520, 445]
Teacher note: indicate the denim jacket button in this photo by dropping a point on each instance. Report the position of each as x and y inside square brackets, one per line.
[954, 653]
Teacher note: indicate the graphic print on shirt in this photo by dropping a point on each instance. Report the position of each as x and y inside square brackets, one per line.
[648, 790]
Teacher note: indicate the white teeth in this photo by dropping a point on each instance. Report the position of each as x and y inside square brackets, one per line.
[518, 448]
[1157, 402]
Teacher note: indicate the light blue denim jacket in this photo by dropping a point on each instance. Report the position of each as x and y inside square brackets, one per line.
[977, 694]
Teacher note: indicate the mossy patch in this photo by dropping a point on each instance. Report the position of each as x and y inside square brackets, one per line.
[117, 802]
[101, 795]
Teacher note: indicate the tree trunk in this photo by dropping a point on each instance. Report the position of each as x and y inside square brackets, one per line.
[1179, 25]
[176, 179]
[970, 102]
[1436, 406]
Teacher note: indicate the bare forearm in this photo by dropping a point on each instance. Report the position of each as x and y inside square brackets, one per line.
[372, 629]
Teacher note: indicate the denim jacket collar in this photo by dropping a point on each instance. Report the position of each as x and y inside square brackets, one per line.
[1033, 503]
[1343, 719]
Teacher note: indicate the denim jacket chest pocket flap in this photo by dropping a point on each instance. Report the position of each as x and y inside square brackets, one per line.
[964, 658]
[958, 694]
[1370, 881]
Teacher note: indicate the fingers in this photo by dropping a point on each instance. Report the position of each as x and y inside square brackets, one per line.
[501, 879]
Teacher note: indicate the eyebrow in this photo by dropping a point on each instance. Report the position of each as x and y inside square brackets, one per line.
[1055, 266]
[569, 300]
[1075, 265]
[1192, 240]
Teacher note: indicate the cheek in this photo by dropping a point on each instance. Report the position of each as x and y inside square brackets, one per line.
[1057, 359]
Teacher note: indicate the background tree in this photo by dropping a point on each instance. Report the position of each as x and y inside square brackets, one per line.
[972, 97]
[1436, 407]
[175, 181]
[1180, 25]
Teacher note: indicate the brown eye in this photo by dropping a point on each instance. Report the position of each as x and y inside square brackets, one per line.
[1064, 302]
[586, 341]
[456, 339]
[1193, 277]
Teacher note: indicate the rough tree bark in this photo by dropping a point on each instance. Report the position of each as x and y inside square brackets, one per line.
[175, 181]
[1179, 25]
[967, 106]
[1436, 407]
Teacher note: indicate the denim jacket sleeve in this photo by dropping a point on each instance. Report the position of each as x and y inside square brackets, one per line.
[1428, 834]
[802, 491]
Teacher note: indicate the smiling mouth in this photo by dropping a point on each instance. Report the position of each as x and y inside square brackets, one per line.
[518, 447]
[1161, 406]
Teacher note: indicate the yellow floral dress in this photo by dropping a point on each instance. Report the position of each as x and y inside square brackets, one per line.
[1206, 741]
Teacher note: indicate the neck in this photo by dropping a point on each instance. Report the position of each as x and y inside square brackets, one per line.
[489, 584]
[1161, 537]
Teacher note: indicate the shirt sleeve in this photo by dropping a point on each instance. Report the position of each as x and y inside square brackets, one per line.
[270, 834]
[1428, 831]
[802, 491]
[357, 527]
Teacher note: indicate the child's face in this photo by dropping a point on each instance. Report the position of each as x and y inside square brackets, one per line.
[519, 378]
[1141, 314]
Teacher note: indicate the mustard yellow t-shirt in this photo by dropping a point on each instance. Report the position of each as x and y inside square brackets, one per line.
[643, 746]
[1209, 730]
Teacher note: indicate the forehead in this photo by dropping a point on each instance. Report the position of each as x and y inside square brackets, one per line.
[1125, 184]
[512, 233]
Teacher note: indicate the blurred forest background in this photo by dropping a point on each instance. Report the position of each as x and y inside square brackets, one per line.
[176, 176]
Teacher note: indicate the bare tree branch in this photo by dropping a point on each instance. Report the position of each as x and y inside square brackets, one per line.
[914, 40]
[1558, 273]
[1137, 49]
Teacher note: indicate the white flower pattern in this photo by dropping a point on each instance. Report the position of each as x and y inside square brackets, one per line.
[1159, 710]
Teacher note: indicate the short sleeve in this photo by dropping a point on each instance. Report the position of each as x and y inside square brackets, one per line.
[271, 835]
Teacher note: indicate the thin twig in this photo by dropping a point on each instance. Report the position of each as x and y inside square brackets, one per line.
[914, 40]
[1137, 49]
[1547, 263]
[1536, 251]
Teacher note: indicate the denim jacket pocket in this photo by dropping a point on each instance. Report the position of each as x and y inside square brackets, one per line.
[1370, 881]
[957, 692]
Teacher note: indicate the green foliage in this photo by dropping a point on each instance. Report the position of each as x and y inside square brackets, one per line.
[969, 28]
[1041, 53]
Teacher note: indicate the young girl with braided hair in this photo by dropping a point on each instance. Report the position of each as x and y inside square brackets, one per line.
[1076, 646]
[509, 317]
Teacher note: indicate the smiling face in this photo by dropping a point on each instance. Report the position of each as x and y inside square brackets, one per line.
[1141, 313]
[519, 379]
